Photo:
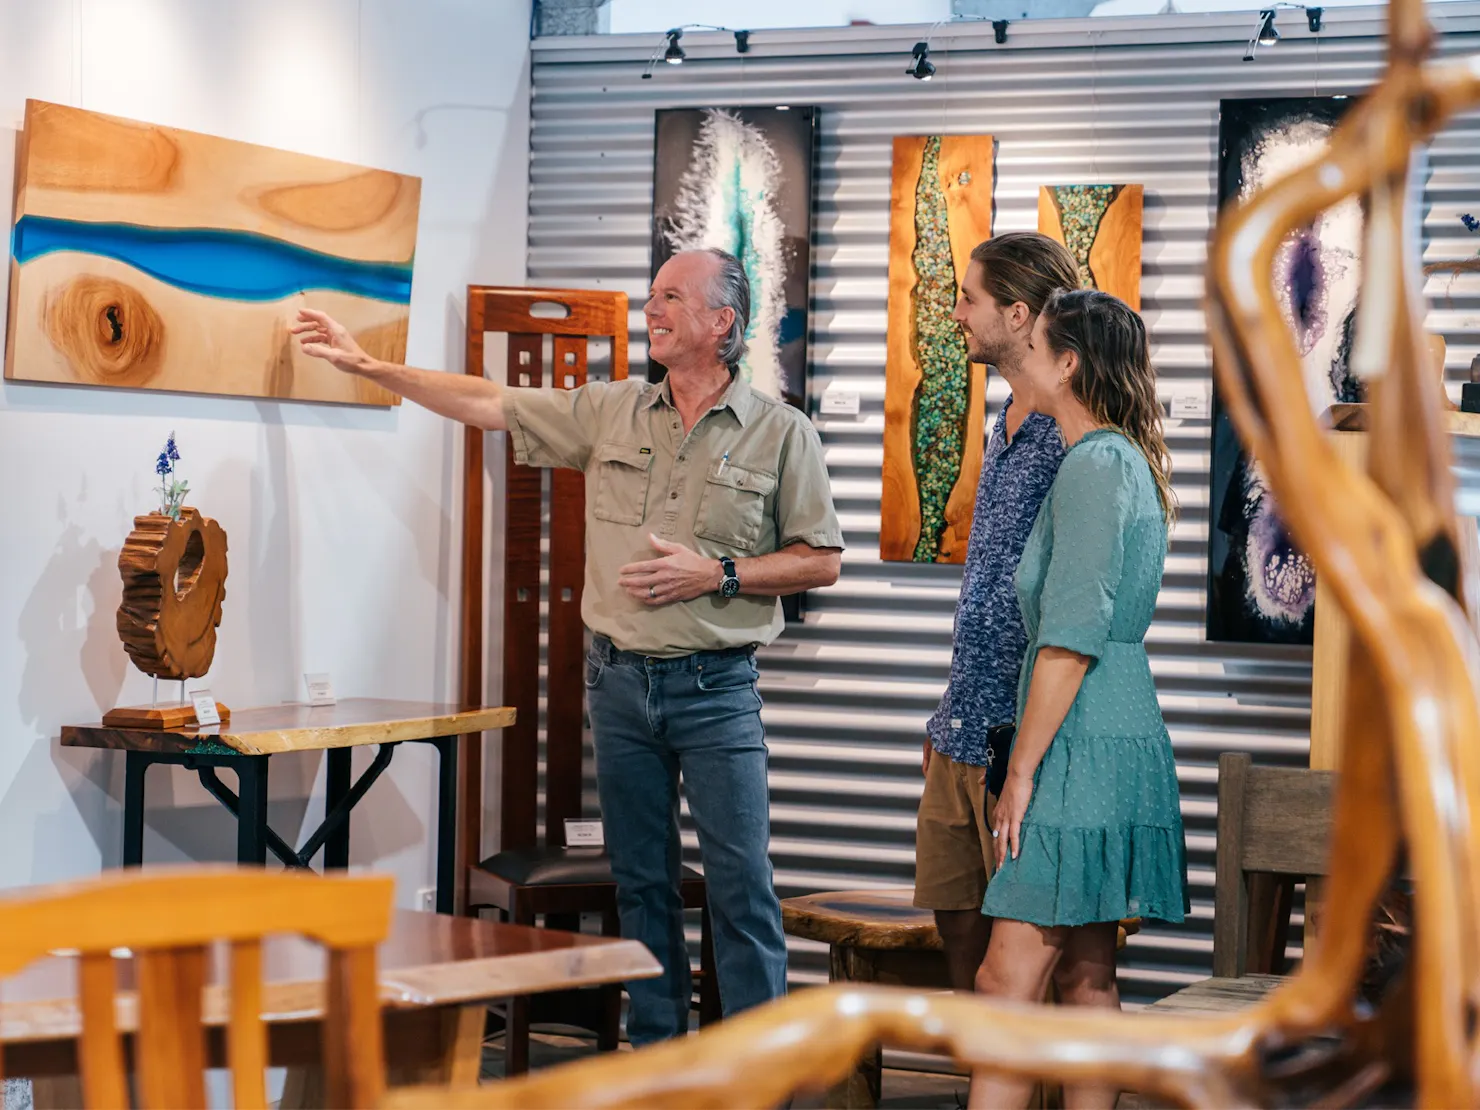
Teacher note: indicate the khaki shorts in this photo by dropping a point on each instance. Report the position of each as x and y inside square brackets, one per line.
[954, 856]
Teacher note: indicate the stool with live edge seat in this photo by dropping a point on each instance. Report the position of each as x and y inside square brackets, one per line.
[880, 936]
[529, 879]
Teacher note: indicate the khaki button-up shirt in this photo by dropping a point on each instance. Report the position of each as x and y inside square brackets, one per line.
[748, 479]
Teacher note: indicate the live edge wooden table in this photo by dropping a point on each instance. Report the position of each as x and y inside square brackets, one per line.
[252, 736]
[437, 974]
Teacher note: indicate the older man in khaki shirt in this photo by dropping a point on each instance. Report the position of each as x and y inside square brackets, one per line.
[705, 503]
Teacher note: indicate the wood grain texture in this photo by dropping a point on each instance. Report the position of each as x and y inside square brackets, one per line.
[86, 316]
[587, 313]
[165, 715]
[293, 728]
[873, 919]
[174, 585]
[1410, 764]
[965, 172]
[1114, 255]
[166, 918]
[565, 661]
[471, 621]
[427, 961]
[523, 506]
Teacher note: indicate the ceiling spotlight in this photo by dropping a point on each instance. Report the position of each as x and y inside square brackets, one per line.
[1268, 33]
[674, 55]
[921, 68]
[1313, 19]
[999, 30]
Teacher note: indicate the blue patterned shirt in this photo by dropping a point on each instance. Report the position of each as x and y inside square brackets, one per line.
[987, 654]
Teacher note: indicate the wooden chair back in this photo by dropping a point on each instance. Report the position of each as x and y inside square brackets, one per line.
[167, 918]
[1274, 825]
[513, 311]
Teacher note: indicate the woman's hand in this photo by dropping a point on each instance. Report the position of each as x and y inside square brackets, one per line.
[1007, 818]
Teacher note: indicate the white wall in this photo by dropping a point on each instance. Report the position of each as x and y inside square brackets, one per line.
[342, 522]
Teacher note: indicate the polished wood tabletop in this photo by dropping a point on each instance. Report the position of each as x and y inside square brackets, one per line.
[297, 727]
[429, 960]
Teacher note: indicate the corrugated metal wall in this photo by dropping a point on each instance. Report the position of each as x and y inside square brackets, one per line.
[847, 694]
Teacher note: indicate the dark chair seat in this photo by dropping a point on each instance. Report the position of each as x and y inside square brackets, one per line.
[557, 866]
[560, 884]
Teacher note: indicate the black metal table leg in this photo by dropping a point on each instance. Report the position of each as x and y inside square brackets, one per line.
[134, 766]
[251, 818]
[446, 822]
[336, 787]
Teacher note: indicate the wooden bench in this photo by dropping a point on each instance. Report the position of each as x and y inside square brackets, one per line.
[875, 936]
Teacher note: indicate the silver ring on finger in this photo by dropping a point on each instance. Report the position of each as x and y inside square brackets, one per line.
[652, 591]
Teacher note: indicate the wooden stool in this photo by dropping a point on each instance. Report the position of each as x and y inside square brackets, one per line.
[877, 936]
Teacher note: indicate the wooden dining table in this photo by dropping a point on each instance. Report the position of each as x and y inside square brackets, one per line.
[437, 974]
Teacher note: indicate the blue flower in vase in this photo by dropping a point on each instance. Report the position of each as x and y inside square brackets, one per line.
[169, 448]
[1470, 222]
[162, 464]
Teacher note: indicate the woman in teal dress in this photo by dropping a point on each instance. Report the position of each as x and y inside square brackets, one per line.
[1088, 828]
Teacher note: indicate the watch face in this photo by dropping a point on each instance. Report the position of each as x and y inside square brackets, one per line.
[730, 587]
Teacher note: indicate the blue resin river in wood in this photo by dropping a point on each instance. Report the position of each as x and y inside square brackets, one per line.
[230, 265]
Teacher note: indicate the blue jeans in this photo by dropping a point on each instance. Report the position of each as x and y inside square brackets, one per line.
[698, 715]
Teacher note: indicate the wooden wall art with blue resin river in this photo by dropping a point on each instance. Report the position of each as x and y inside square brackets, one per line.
[147, 257]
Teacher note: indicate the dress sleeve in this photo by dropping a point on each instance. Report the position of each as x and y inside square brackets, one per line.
[1089, 503]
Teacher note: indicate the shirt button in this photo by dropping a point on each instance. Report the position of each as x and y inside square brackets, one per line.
[673, 496]
[683, 458]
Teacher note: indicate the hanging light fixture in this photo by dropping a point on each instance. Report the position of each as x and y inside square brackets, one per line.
[674, 55]
[921, 68]
[1268, 33]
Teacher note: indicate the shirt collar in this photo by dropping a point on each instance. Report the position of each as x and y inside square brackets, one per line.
[737, 397]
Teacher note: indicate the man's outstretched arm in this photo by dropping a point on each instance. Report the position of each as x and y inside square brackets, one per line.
[461, 397]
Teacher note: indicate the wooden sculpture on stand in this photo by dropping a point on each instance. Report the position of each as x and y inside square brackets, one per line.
[1409, 785]
[174, 582]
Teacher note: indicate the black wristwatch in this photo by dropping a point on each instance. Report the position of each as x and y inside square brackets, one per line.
[730, 586]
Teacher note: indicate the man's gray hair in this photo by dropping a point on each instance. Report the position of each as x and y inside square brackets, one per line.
[730, 288]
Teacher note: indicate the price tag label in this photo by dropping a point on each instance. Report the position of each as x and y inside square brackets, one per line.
[838, 401]
[205, 707]
[320, 689]
[1190, 405]
[584, 834]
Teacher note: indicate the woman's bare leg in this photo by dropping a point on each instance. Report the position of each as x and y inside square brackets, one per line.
[1020, 959]
[1085, 976]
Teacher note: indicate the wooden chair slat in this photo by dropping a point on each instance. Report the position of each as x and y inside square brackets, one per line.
[169, 1049]
[99, 1053]
[352, 1033]
[246, 1036]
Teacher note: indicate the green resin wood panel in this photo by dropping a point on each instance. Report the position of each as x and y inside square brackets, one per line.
[934, 399]
[1101, 226]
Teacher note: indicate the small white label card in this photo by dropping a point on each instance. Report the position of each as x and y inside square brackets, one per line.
[320, 689]
[838, 401]
[1190, 404]
[205, 707]
[584, 834]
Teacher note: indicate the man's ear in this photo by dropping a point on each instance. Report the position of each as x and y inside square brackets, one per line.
[726, 320]
[1021, 316]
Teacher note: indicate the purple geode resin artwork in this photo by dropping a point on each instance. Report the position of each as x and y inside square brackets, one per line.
[1261, 588]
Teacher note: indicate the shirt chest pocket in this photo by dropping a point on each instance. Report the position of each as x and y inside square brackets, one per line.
[732, 509]
[623, 473]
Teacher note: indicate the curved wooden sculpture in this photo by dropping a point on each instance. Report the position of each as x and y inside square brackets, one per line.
[1410, 778]
[174, 582]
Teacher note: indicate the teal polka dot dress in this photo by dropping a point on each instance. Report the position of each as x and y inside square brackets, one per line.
[1102, 839]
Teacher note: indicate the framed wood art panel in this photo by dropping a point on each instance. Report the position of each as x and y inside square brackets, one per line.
[940, 208]
[148, 257]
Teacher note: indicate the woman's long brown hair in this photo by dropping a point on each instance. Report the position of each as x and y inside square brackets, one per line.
[1115, 380]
